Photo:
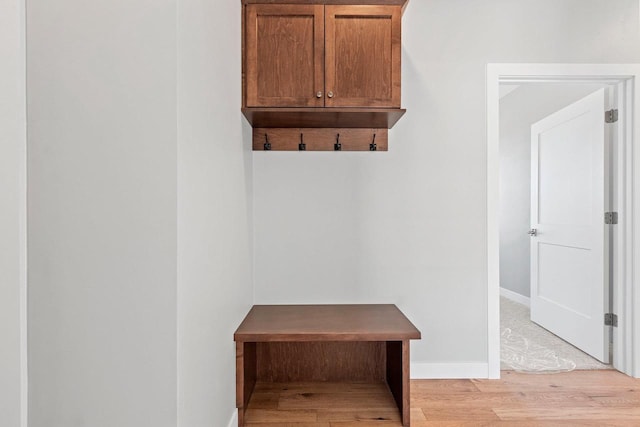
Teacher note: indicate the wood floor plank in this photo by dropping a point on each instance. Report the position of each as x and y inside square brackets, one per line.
[499, 399]
[575, 380]
[616, 398]
[320, 387]
[265, 400]
[449, 413]
[443, 386]
[368, 423]
[363, 415]
[525, 423]
[569, 413]
[417, 415]
[337, 401]
[279, 416]
[280, 424]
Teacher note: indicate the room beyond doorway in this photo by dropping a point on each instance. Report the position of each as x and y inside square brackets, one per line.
[627, 334]
[528, 347]
[561, 178]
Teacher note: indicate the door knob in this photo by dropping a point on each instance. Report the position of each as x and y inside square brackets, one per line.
[533, 232]
[330, 94]
[319, 95]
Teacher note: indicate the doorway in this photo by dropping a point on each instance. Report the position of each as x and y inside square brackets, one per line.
[548, 331]
[626, 337]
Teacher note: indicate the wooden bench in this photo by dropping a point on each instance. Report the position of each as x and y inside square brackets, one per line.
[363, 344]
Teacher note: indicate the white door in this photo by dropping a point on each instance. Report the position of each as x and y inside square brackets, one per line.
[569, 282]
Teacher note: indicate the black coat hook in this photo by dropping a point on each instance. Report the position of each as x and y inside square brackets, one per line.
[267, 144]
[373, 146]
[337, 146]
[302, 146]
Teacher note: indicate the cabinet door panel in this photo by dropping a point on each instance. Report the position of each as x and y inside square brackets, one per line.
[285, 54]
[363, 48]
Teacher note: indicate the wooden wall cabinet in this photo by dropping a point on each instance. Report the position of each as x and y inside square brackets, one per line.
[322, 64]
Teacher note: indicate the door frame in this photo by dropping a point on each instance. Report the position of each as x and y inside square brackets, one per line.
[626, 337]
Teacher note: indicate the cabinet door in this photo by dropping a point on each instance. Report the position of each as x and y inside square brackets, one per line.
[363, 48]
[284, 55]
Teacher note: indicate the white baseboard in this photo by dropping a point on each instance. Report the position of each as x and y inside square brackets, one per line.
[426, 371]
[233, 422]
[515, 297]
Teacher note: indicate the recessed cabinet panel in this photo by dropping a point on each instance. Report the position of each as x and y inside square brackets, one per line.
[363, 48]
[285, 54]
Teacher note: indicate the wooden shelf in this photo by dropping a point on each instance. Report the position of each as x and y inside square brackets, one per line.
[380, 118]
[343, 322]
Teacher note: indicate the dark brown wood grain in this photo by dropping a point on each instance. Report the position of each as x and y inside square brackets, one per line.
[250, 373]
[363, 55]
[304, 61]
[284, 50]
[362, 361]
[366, 322]
[397, 376]
[318, 139]
[245, 375]
[318, 344]
[243, 50]
[322, 405]
[406, 384]
[402, 3]
[240, 374]
[394, 370]
[323, 117]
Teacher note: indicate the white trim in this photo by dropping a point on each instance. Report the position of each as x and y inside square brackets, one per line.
[623, 261]
[428, 371]
[493, 222]
[515, 297]
[632, 254]
[24, 377]
[510, 80]
[233, 422]
[628, 332]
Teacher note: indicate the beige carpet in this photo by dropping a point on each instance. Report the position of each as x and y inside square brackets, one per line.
[527, 347]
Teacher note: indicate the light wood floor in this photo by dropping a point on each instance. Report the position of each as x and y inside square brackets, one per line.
[578, 398]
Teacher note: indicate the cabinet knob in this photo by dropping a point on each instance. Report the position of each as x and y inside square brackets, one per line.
[330, 94]
[319, 95]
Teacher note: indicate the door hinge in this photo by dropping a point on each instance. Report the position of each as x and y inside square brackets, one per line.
[611, 116]
[611, 319]
[611, 217]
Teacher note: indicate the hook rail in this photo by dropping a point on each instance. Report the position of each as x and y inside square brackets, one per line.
[320, 139]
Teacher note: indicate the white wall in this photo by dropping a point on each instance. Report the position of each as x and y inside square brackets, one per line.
[140, 196]
[140, 212]
[518, 111]
[12, 210]
[214, 210]
[409, 226]
[102, 212]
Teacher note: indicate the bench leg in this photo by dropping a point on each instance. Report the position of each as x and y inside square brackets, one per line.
[398, 377]
[245, 377]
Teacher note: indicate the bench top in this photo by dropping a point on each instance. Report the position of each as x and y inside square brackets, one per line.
[359, 322]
